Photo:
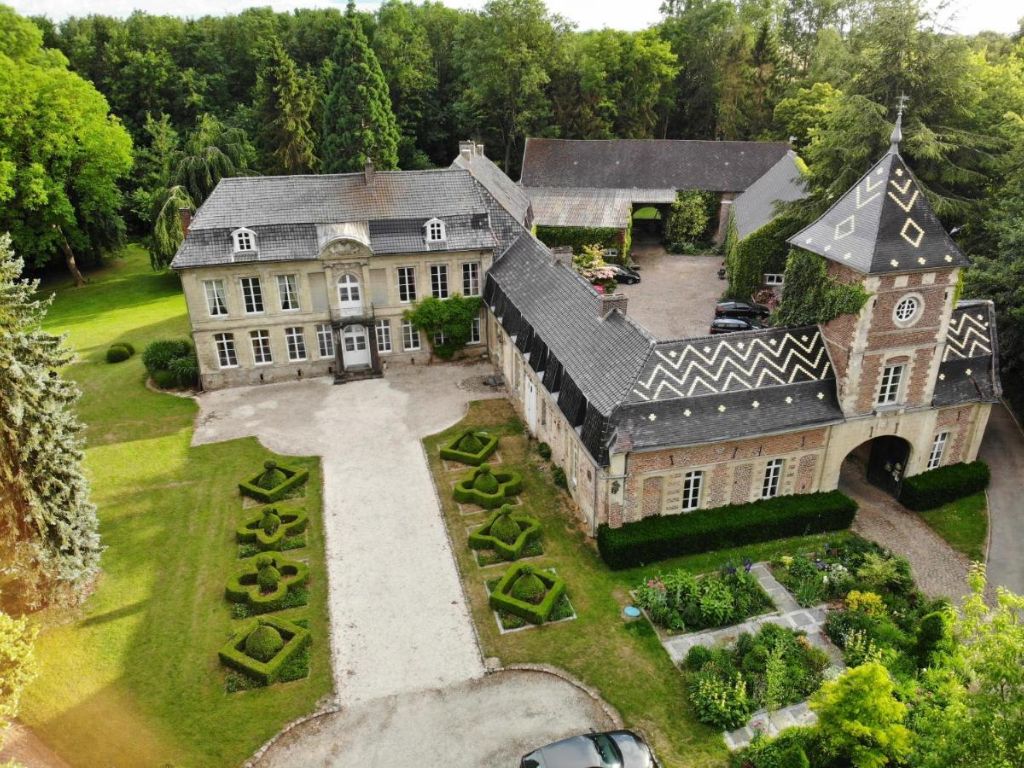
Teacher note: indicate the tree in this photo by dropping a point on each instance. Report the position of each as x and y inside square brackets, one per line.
[61, 154]
[17, 664]
[358, 122]
[154, 168]
[211, 152]
[49, 537]
[860, 718]
[448, 323]
[167, 234]
[282, 107]
[687, 221]
[806, 110]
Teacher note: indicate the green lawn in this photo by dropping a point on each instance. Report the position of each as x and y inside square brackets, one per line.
[625, 662]
[962, 523]
[132, 678]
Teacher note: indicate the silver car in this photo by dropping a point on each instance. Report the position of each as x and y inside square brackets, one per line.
[614, 749]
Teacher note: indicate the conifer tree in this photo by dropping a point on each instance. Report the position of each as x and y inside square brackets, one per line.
[49, 540]
[282, 108]
[358, 122]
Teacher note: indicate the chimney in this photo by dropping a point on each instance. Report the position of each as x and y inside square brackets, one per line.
[479, 149]
[466, 150]
[368, 172]
[185, 214]
[608, 302]
[562, 255]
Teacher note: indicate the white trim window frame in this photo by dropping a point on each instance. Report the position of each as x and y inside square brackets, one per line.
[243, 240]
[288, 292]
[406, 284]
[774, 278]
[216, 298]
[891, 385]
[474, 331]
[439, 281]
[938, 450]
[471, 278]
[252, 295]
[259, 340]
[435, 231]
[693, 488]
[772, 483]
[439, 338]
[325, 340]
[227, 355]
[382, 330]
[295, 341]
[410, 337]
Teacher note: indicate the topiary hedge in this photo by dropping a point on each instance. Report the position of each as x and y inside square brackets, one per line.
[252, 584]
[255, 489]
[503, 597]
[487, 488]
[659, 538]
[940, 486]
[508, 547]
[235, 654]
[117, 353]
[470, 447]
[268, 527]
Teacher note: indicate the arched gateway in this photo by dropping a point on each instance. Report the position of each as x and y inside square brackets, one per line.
[882, 461]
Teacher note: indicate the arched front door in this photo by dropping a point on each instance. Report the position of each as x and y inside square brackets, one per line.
[355, 346]
[881, 461]
[349, 295]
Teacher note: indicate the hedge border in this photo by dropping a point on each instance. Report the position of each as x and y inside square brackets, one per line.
[234, 656]
[529, 530]
[293, 522]
[451, 453]
[465, 493]
[659, 538]
[943, 485]
[295, 478]
[500, 600]
[237, 592]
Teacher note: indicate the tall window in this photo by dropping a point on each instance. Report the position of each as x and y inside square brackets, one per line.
[439, 338]
[383, 329]
[261, 347]
[245, 240]
[226, 356]
[288, 292]
[474, 331]
[325, 340]
[439, 281]
[215, 299]
[892, 376]
[348, 288]
[693, 483]
[772, 478]
[435, 231]
[252, 295]
[296, 341]
[938, 448]
[406, 284]
[471, 279]
[410, 337]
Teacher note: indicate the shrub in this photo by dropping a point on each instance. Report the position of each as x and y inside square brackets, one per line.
[271, 477]
[678, 600]
[458, 449]
[940, 486]
[470, 443]
[270, 528]
[127, 345]
[266, 583]
[293, 478]
[579, 237]
[658, 538]
[453, 317]
[719, 700]
[165, 379]
[558, 476]
[785, 751]
[484, 481]
[865, 602]
[698, 656]
[688, 220]
[934, 635]
[544, 450]
[117, 353]
[263, 643]
[185, 371]
[504, 528]
[270, 522]
[295, 638]
[486, 488]
[509, 547]
[528, 587]
[159, 354]
[502, 599]
[268, 577]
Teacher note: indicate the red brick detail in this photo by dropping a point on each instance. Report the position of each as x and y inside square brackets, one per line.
[805, 473]
[741, 484]
[652, 498]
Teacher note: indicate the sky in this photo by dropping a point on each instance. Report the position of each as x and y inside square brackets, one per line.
[966, 16]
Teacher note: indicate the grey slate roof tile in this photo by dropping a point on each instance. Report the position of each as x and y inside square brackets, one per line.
[507, 193]
[463, 233]
[969, 371]
[757, 206]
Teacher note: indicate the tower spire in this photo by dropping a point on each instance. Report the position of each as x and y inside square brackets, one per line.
[897, 131]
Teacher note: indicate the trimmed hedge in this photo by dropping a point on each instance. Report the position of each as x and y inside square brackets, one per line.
[293, 522]
[659, 538]
[451, 452]
[243, 586]
[940, 486]
[529, 529]
[118, 353]
[509, 484]
[293, 479]
[501, 599]
[577, 237]
[295, 639]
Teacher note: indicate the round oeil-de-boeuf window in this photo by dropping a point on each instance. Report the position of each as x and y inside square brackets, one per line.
[907, 310]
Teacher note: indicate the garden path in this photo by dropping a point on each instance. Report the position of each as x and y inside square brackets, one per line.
[1003, 451]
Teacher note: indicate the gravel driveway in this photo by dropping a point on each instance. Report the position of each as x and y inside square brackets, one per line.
[1003, 451]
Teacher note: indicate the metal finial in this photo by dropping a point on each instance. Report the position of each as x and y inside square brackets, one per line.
[897, 130]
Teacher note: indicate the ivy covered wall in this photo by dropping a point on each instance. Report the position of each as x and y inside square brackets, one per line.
[577, 237]
[762, 251]
[811, 296]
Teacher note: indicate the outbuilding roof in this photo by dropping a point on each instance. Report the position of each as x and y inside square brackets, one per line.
[782, 183]
[969, 370]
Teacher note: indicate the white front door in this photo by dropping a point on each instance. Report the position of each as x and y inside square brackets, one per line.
[356, 346]
[531, 405]
[349, 296]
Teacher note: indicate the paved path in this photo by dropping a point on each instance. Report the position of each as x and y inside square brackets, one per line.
[1003, 451]
[939, 570]
[21, 746]
[398, 615]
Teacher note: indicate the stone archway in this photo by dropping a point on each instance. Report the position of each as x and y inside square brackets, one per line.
[881, 461]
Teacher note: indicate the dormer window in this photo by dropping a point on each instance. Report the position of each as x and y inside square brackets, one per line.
[244, 240]
[435, 231]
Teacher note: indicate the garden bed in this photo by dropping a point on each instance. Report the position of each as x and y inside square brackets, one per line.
[295, 668]
[561, 611]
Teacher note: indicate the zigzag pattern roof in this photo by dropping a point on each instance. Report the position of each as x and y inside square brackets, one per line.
[969, 333]
[732, 363]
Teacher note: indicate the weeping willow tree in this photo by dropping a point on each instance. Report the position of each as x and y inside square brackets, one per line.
[49, 539]
[212, 151]
[167, 231]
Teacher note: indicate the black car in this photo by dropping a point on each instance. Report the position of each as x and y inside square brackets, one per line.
[624, 274]
[733, 324]
[740, 309]
[614, 749]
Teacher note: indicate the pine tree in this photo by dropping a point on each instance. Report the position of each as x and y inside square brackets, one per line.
[358, 122]
[49, 540]
[282, 108]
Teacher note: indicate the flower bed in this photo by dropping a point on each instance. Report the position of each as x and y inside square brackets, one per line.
[505, 533]
[470, 447]
[680, 601]
[267, 583]
[270, 527]
[274, 483]
[262, 650]
[560, 611]
[527, 592]
[770, 670]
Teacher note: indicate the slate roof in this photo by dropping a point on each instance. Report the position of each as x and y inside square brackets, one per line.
[782, 183]
[276, 242]
[883, 224]
[719, 166]
[506, 193]
[969, 370]
[589, 207]
[462, 233]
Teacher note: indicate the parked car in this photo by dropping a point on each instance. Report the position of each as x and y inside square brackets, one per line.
[733, 324]
[613, 749]
[740, 309]
[624, 274]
